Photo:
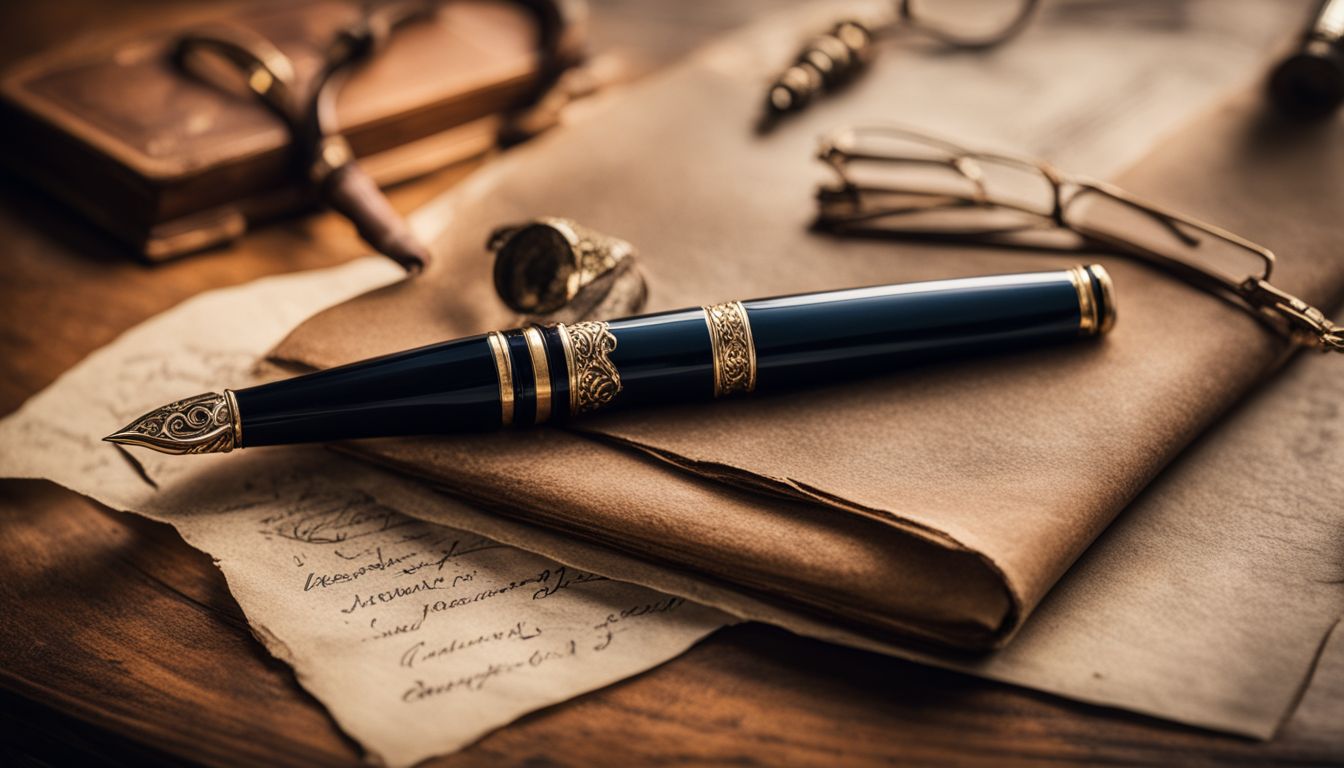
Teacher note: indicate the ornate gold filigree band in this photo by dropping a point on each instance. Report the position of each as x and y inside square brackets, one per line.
[499, 347]
[541, 370]
[734, 351]
[593, 380]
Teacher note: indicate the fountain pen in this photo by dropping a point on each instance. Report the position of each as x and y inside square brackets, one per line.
[551, 373]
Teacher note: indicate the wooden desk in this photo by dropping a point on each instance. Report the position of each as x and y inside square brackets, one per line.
[154, 662]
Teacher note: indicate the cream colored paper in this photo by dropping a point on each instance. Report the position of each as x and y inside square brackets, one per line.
[417, 637]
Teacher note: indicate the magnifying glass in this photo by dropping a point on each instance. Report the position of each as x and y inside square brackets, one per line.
[834, 58]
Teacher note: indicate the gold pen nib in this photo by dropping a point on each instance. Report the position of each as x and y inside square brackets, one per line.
[205, 423]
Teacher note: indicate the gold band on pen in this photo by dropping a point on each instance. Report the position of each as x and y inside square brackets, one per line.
[1087, 303]
[568, 347]
[1107, 298]
[1096, 299]
[499, 347]
[536, 348]
[732, 346]
[236, 416]
[593, 379]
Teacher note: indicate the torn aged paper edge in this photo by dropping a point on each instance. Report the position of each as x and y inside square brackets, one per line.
[418, 638]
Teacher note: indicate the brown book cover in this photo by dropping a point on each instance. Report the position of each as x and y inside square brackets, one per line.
[170, 164]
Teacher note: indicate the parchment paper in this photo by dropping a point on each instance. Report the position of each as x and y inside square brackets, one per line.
[418, 638]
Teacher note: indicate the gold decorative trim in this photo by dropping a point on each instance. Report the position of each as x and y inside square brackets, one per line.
[1087, 306]
[1107, 299]
[201, 424]
[541, 370]
[734, 351]
[595, 254]
[593, 380]
[237, 417]
[499, 347]
[569, 362]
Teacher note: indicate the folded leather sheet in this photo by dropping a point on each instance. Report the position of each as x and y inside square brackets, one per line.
[1207, 602]
[942, 502]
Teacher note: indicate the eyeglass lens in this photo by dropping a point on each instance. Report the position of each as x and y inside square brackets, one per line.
[909, 183]
[1124, 223]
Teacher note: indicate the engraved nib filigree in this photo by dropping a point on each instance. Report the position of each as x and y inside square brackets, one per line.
[205, 423]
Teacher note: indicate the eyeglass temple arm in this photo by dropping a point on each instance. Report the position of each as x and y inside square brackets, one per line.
[1167, 220]
[1304, 322]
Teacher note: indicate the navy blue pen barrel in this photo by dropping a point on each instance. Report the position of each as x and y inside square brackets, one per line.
[663, 358]
[840, 335]
[440, 388]
[843, 334]
[536, 375]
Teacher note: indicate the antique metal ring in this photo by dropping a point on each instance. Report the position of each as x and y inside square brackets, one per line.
[555, 267]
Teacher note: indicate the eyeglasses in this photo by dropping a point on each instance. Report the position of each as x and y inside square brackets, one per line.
[895, 181]
[834, 58]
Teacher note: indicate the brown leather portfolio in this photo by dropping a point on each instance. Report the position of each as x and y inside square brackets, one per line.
[939, 503]
[170, 164]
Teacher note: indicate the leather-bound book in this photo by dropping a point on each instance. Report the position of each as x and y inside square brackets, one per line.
[170, 163]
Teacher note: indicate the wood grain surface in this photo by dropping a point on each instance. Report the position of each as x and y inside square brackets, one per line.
[120, 645]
